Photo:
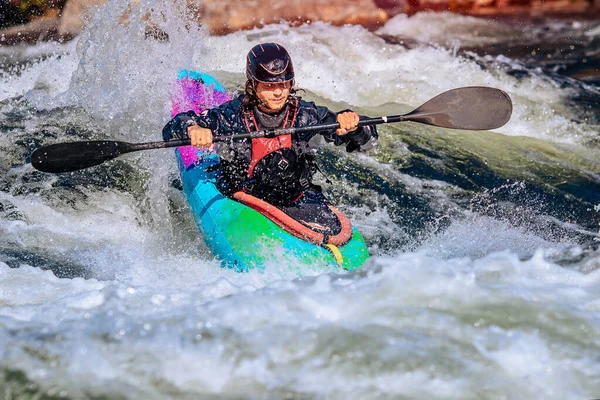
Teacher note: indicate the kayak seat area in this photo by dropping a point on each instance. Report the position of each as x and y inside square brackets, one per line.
[312, 210]
[310, 218]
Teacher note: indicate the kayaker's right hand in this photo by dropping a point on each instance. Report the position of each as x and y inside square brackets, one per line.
[201, 137]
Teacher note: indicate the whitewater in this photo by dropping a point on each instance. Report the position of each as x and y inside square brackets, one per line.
[484, 275]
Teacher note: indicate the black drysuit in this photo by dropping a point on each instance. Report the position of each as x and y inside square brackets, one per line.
[282, 176]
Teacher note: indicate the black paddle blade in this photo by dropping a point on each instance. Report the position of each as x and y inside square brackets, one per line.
[67, 157]
[471, 108]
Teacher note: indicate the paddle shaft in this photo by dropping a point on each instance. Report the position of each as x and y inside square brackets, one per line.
[468, 108]
[264, 133]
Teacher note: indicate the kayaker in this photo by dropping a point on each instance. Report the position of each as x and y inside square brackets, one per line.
[278, 170]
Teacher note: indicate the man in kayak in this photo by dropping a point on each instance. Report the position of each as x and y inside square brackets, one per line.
[277, 170]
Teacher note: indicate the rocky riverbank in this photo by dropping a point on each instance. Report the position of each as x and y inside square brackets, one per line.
[63, 20]
[49, 20]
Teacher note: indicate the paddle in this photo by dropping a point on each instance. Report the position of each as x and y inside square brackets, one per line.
[471, 108]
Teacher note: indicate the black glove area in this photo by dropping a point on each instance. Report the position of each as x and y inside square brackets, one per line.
[177, 127]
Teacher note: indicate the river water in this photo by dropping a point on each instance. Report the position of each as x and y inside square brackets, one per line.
[484, 280]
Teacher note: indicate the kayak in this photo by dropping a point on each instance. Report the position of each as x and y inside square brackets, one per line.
[244, 232]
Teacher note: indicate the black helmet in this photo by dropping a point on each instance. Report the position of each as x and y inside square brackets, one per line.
[269, 62]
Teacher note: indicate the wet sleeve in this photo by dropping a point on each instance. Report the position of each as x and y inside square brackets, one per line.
[353, 140]
[176, 128]
[211, 119]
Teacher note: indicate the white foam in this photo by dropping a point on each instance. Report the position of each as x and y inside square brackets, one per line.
[479, 235]
[124, 79]
[28, 286]
[410, 310]
[166, 319]
[449, 29]
[51, 75]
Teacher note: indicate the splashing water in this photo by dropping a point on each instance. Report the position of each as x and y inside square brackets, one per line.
[485, 270]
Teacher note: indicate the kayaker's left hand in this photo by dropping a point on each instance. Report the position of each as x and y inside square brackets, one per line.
[348, 122]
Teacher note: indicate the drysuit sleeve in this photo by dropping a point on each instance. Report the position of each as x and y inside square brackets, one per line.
[176, 129]
[220, 120]
[353, 140]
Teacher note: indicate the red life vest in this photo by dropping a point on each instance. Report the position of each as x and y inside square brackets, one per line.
[262, 147]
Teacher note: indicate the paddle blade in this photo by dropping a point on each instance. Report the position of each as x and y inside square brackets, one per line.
[471, 108]
[67, 157]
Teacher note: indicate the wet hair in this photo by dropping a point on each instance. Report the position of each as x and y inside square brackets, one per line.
[251, 98]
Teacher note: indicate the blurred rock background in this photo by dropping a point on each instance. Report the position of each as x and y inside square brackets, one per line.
[29, 21]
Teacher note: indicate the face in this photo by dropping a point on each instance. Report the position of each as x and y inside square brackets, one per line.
[273, 95]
